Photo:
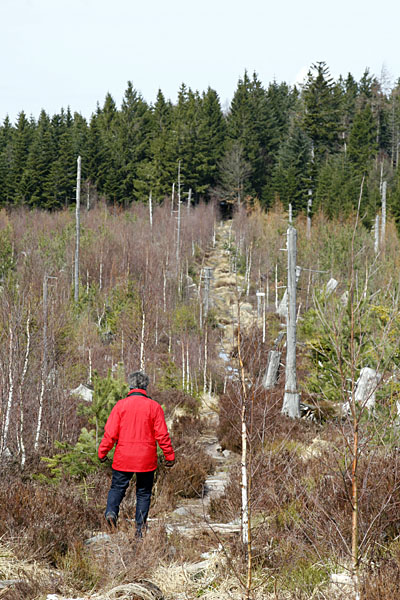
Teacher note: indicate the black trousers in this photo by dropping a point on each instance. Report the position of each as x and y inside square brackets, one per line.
[144, 486]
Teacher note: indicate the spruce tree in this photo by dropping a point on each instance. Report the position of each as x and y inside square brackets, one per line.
[321, 120]
[6, 148]
[133, 145]
[362, 145]
[22, 139]
[249, 123]
[291, 174]
[210, 142]
[162, 168]
[38, 165]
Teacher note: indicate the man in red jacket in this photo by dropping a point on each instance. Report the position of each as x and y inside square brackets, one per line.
[136, 424]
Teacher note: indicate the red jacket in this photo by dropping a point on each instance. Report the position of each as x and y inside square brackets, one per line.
[135, 424]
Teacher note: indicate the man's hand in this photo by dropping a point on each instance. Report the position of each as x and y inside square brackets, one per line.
[103, 459]
[169, 463]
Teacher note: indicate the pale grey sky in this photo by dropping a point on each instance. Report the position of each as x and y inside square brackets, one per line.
[56, 53]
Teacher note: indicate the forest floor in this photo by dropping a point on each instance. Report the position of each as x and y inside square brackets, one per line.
[201, 566]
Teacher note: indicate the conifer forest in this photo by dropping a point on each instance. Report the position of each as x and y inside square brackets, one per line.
[247, 258]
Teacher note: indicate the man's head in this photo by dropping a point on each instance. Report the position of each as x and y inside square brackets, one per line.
[138, 380]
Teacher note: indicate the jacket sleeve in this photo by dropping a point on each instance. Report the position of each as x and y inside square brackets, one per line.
[111, 433]
[162, 435]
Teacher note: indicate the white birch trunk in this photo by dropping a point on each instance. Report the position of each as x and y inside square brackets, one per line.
[187, 369]
[183, 366]
[164, 290]
[77, 226]
[10, 391]
[249, 271]
[189, 201]
[264, 315]
[40, 413]
[309, 208]
[44, 365]
[21, 388]
[245, 506]
[142, 356]
[377, 232]
[150, 211]
[90, 358]
[101, 274]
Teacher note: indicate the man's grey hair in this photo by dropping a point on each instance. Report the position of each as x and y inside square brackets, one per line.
[138, 380]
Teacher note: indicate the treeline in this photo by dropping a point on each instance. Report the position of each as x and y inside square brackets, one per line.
[278, 142]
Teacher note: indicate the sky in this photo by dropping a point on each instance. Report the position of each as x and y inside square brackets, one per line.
[59, 53]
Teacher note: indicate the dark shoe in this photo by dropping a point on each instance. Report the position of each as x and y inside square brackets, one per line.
[111, 519]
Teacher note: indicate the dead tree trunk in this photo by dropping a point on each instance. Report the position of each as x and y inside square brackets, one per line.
[271, 376]
[383, 220]
[291, 402]
[178, 235]
[151, 211]
[77, 225]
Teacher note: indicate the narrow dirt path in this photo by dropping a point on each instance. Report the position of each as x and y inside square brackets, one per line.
[193, 516]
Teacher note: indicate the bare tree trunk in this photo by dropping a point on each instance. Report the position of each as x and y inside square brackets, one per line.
[88, 197]
[291, 402]
[205, 361]
[178, 236]
[151, 211]
[189, 201]
[44, 364]
[376, 231]
[309, 208]
[77, 225]
[207, 281]
[248, 270]
[142, 356]
[172, 199]
[271, 375]
[20, 434]
[383, 221]
[183, 365]
[188, 379]
[245, 502]
[10, 390]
